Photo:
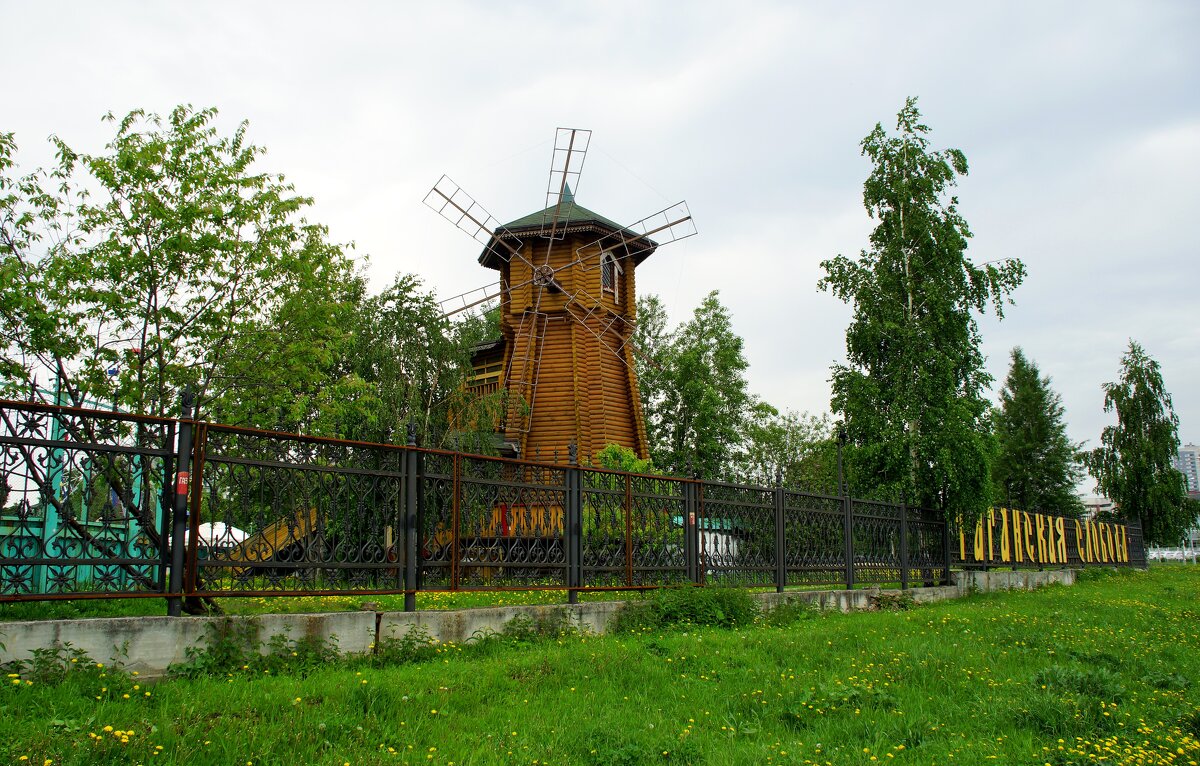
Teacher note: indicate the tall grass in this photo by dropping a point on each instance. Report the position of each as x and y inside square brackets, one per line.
[1105, 672]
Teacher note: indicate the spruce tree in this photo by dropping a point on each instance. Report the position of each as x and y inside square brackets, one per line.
[1036, 466]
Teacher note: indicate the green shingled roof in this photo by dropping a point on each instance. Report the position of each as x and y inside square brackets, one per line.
[571, 212]
[571, 215]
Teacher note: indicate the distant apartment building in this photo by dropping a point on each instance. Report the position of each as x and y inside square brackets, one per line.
[1187, 462]
[1094, 504]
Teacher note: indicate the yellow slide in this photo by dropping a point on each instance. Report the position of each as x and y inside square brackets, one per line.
[273, 538]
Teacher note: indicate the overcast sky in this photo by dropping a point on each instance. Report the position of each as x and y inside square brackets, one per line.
[1081, 123]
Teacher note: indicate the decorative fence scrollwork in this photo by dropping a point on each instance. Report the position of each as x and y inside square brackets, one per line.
[82, 498]
[282, 514]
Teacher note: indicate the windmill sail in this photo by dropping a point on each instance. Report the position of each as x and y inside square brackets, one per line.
[449, 201]
[566, 164]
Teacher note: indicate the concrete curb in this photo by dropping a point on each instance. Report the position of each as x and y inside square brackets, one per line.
[149, 645]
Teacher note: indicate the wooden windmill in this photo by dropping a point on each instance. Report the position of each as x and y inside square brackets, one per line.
[568, 306]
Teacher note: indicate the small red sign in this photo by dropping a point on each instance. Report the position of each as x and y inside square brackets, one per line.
[181, 483]
[692, 519]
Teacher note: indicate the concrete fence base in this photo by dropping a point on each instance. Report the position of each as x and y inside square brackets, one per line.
[149, 645]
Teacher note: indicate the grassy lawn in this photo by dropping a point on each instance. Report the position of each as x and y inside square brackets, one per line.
[1105, 672]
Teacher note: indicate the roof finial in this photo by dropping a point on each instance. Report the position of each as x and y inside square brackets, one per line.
[568, 196]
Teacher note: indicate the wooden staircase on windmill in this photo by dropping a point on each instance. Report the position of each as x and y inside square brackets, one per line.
[521, 381]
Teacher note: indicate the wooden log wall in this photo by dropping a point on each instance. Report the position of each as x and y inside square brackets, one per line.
[586, 387]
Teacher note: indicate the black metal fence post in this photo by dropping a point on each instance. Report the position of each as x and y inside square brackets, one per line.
[848, 531]
[691, 541]
[573, 525]
[847, 511]
[179, 510]
[903, 544]
[946, 548]
[411, 529]
[780, 543]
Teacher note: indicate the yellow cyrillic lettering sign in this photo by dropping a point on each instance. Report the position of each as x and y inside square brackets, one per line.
[1029, 546]
[991, 524]
[979, 539]
[1005, 541]
[1040, 523]
[1051, 548]
[1061, 523]
[1018, 539]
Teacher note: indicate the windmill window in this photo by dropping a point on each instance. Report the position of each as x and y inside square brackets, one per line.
[610, 275]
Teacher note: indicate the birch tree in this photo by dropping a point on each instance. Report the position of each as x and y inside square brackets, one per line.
[911, 393]
[1133, 464]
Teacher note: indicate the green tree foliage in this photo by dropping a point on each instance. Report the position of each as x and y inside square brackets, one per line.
[186, 266]
[1036, 466]
[911, 394]
[652, 338]
[1191, 511]
[183, 266]
[35, 226]
[413, 364]
[1133, 464]
[797, 447]
[694, 391]
[617, 458]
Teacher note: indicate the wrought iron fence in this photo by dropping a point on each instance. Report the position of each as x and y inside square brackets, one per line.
[84, 502]
[276, 513]
[98, 503]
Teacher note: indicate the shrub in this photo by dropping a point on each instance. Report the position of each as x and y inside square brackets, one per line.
[58, 664]
[714, 607]
[416, 645]
[893, 601]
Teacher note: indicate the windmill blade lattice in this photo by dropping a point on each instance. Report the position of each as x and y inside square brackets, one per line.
[566, 165]
[668, 225]
[449, 201]
[471, 298]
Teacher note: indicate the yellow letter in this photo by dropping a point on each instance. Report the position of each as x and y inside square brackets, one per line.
[1040, 522]
[1051, 548]
[1029, 546]
[1005, 544]
[1018, 538]
[991, 523]
[1060, 522]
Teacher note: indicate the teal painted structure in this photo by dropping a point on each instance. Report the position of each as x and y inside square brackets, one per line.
[73, 509]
